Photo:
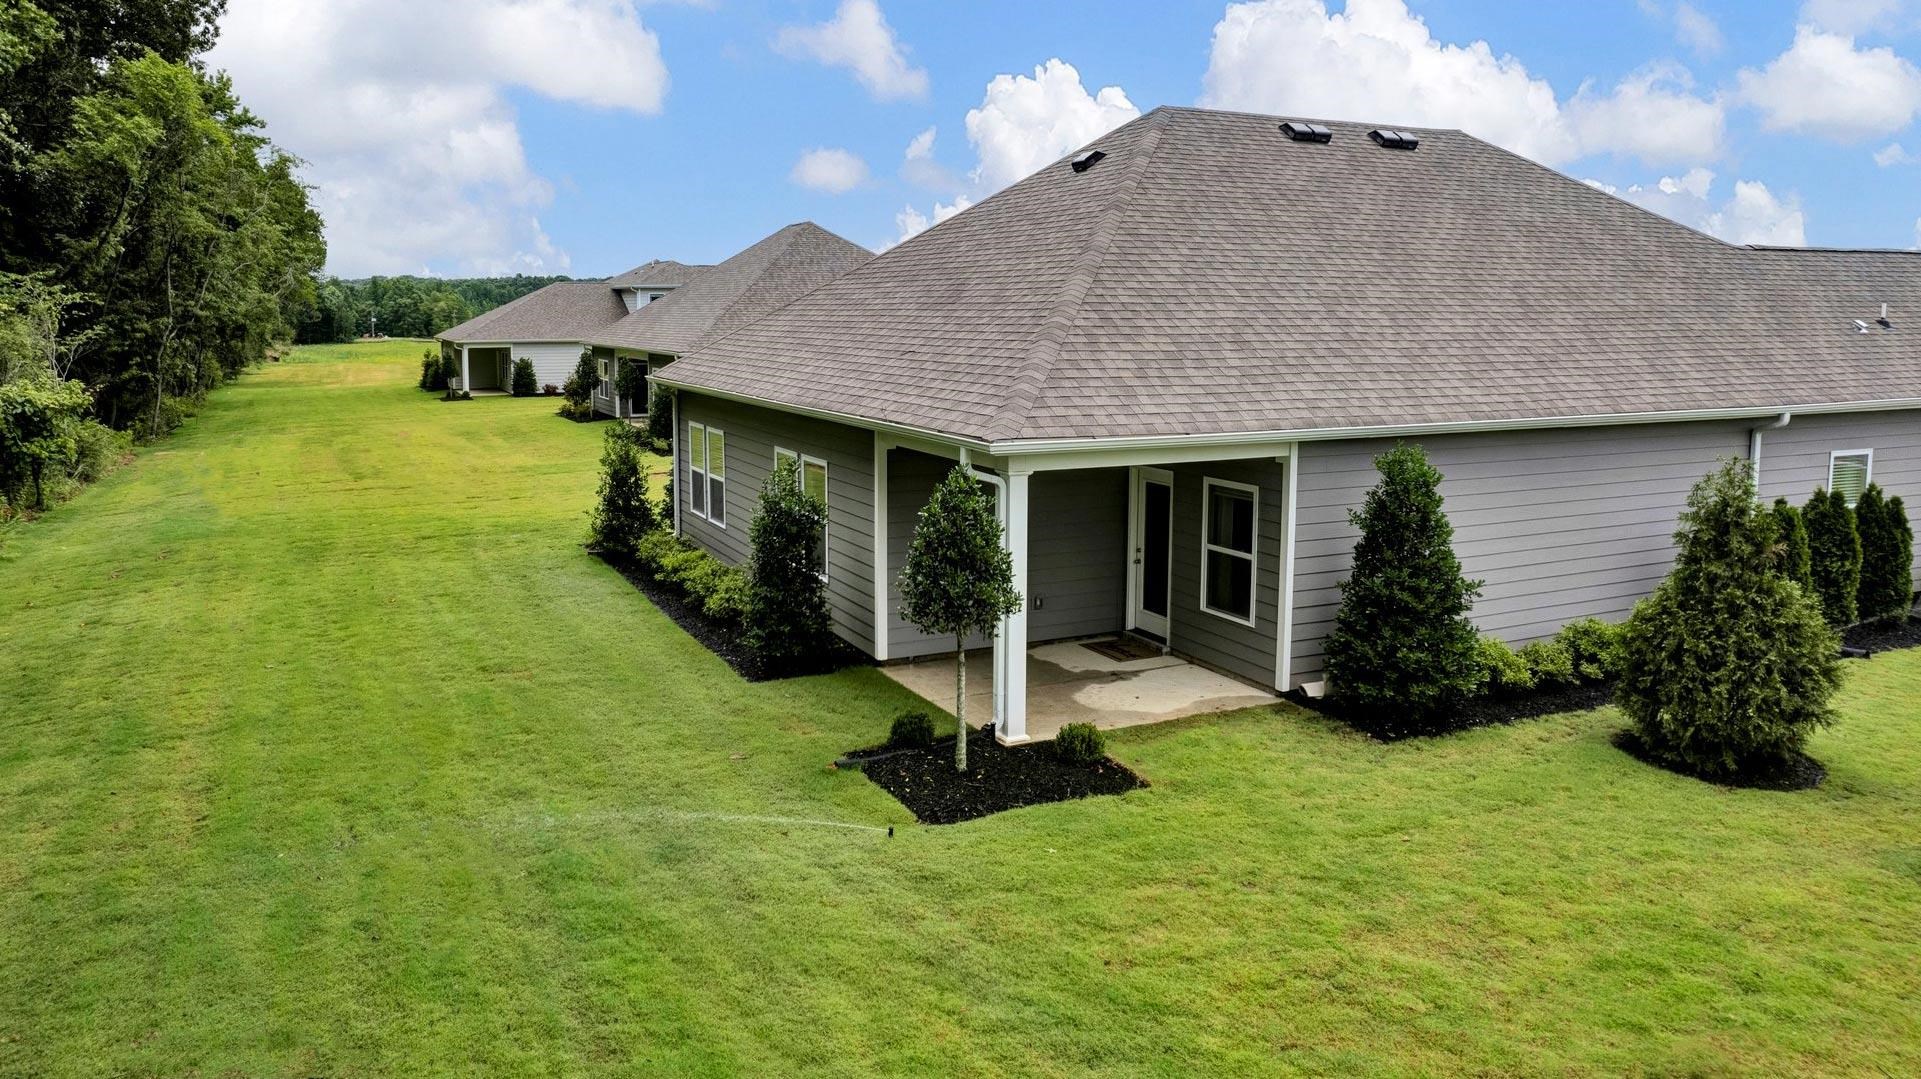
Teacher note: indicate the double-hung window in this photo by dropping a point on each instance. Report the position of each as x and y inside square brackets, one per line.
[707, 473]
[1228, 543]
[1850, 472]
[813, 481]
[605, 378]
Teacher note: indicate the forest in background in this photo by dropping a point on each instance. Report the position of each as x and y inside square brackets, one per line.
[405, 306]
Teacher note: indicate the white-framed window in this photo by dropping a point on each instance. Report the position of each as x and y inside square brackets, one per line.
[1230, 536]
[813, 481]
[707, 473]
[1850, 472]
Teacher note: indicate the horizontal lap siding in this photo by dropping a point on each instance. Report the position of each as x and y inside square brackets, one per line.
[1247, 651]
[911, 477]
[752, 433]
[553, 363]
[1794, 459]
[1077, 553]
[1559, 524]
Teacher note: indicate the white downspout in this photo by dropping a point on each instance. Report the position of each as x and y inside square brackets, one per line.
[1754, 446]
[673, 458]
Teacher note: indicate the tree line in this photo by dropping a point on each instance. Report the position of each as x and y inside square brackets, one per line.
[153, 240]
[405, 306]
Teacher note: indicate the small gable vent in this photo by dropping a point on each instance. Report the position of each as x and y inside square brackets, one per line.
[1088, 160]
[1395, 140]
[1305, 132]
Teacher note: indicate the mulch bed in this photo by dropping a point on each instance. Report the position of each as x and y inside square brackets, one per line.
[998, 777]
[723, 640]
[1884, 636]
[1798, 773]
[1480, 712]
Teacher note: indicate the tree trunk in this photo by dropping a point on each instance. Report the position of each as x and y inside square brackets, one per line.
[40, 494]
[960, 704]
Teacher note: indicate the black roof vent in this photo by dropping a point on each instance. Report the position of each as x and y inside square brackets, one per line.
[1088, 160]
[1301, 131]
[1395, 140]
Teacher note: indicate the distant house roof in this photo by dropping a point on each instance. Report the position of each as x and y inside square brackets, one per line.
[660, 273]
[562, 311]
[790, 263]
[1211, 275]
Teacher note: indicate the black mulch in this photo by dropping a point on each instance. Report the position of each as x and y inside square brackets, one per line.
[998, 777]
[595, 418]
[725, 640]
[1799, 772]
[1884, 636]
[1480, 712]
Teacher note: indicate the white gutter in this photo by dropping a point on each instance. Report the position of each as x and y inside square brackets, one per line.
[1026, 446]
[1754, 447]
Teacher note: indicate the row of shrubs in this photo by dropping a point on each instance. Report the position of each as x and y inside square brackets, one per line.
[1858, 561]
[1724, 670]
[778, 604]
[1074, 743]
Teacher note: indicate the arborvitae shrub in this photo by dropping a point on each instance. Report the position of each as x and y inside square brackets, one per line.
[624, 513]
[1887, 573]
[660, 414]
[1503, 672]
[910, 730]
[789, 622]
[1594, 648]
[1834, 555]
[1729, 665]
[526, 384]
[433, 373]
[1403, 653]
[579, 390]
[1080, 743]
[1791, 540]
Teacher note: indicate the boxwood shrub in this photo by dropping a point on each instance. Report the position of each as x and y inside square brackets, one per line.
[1080, 743]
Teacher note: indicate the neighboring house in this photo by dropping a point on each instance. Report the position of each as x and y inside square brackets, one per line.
[551, 325]
[1177, 352]
[793, 261]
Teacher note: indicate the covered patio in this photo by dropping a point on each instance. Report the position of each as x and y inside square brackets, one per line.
[1112, 681]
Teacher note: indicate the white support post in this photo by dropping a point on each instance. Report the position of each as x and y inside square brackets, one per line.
[1284, 640]
[1010, 727]
[883, 623]
[466, 379]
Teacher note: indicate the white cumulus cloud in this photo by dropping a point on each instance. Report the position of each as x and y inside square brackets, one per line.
[911, 221]
[1751, 215]
[1826, 85]
[399, 110]
[1697, 30]
[1025, 122]
[919, 168]
[859, 39]
[1895, 154]
[1851, 16]
[1377, 61]
[829, 169]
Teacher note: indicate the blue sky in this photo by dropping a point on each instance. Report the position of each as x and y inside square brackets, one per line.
[583, 136]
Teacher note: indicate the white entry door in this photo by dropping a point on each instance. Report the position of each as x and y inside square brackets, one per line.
[1152, 548]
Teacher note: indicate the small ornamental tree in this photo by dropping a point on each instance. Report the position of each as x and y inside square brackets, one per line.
[40, 418]
[788, 618]
[630, 379]
[579, 390]
[1791, 541]
[660, 414]
[1729, 666]
[959, 579]
[1887, 572]
[526, 383]
[1834, 550]
[625, 512]
[449, 371]
[1403, 652]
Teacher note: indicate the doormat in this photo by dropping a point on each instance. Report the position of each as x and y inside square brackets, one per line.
[1123, 649]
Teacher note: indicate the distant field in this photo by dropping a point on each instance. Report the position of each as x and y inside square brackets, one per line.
[326, 750]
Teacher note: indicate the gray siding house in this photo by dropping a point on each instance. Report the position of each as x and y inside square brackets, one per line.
[789, 263]
[1175, 354]
[551, 325]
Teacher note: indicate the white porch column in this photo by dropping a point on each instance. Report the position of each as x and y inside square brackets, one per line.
[1010, 651]
[466, 381]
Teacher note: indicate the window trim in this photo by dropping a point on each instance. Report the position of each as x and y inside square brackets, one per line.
[1253, 557]
[697, 434]
[801, 461]
[716, 508]
[1867, 474]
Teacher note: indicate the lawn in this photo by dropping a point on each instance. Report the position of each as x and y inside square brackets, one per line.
[326, 750]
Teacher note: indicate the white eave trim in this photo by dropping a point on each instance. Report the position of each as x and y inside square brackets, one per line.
[1023, 447]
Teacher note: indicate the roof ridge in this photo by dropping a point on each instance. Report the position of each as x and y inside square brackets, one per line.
[1045, 351]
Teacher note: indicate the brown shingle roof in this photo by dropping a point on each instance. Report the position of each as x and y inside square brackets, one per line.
[562, 311]
[1209, 276]
[661, 273]
[791, 262]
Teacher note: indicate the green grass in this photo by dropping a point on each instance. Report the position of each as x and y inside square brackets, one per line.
[326, 750]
